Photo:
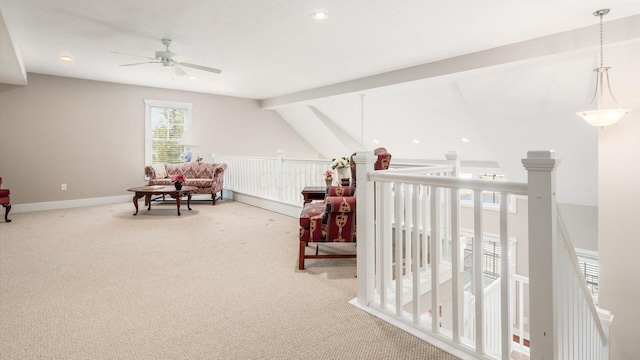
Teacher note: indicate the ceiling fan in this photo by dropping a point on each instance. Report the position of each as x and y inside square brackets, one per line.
[169, 59]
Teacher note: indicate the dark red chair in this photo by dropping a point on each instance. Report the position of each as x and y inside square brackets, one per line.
[333, 220]
[5, 200]
[382, 163]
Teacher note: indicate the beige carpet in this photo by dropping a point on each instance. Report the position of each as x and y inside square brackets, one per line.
[219, 282]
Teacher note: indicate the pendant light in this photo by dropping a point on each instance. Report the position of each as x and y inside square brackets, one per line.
[602, 117]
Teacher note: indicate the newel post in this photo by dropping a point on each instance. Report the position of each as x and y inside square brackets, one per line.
[543, 253]
[454, 160]
[365, 251]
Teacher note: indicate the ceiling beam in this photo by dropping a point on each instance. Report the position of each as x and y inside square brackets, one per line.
[13, 70]
[621, 30]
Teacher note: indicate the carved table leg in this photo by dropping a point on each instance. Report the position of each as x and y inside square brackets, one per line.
[6, 212]
[189, 201]
[178, 201]
[135, 201]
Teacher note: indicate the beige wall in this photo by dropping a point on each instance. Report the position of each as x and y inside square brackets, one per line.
[619, 240]
[90, 135]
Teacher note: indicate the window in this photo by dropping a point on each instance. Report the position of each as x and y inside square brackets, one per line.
[491, 258]
[490, 261]
[164, 123]
[490, 199]
[588, 261]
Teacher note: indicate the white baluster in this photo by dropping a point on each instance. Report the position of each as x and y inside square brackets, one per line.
[478, 276]
[505, 279]
[399, 238]
[415, 252]
[456, 267]
[435, 258]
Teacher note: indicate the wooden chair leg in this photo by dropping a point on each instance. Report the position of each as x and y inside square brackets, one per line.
[7, 208]
[301, 255]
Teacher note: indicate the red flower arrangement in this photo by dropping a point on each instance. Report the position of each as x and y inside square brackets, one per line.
[177, 178]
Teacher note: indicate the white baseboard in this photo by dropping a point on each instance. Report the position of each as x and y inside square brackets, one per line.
[267, 204]
[66, 204]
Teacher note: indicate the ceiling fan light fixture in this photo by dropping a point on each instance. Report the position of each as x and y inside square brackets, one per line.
[169, 59]
[608, 116]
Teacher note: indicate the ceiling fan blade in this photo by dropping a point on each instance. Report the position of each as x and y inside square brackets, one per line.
[200, 67]
[140, 63]
[178, 70]
[140, 56]
[179, 58]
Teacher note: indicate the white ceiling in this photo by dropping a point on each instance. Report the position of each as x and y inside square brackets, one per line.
[271, 48]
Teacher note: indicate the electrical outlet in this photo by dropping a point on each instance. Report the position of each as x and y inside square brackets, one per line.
[63, 187]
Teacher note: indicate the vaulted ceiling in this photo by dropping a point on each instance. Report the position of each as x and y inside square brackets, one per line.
[508, 75]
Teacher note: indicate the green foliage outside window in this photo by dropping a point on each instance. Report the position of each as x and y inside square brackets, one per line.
[167, 125]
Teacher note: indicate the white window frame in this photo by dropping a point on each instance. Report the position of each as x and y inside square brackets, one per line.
[512, 199]
[148, 139]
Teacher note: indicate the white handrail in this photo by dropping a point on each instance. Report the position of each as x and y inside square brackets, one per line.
[511, 187]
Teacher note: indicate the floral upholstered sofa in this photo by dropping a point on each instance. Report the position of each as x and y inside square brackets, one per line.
[208, 178]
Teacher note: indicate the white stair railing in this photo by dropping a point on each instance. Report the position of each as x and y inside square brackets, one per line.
[581, 333]
[410, 213]
[426, 205]
[272, 178]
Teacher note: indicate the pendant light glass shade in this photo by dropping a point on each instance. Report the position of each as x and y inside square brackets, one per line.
[602, 117]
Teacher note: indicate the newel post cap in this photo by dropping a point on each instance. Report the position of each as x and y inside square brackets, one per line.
[452, 155]
[364, 157]
[540, 160]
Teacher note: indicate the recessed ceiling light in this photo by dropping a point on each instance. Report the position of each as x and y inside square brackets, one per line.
[465, 140]
[416, 141]
[66, 58]
[193, 77]
[320, 15]
[375, 141]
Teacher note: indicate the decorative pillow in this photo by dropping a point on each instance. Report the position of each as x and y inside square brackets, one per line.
[161, 173]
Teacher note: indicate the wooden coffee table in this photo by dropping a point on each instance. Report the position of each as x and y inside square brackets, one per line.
[148, 191]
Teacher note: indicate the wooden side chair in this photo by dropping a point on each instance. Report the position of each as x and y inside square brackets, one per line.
[5, 200]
